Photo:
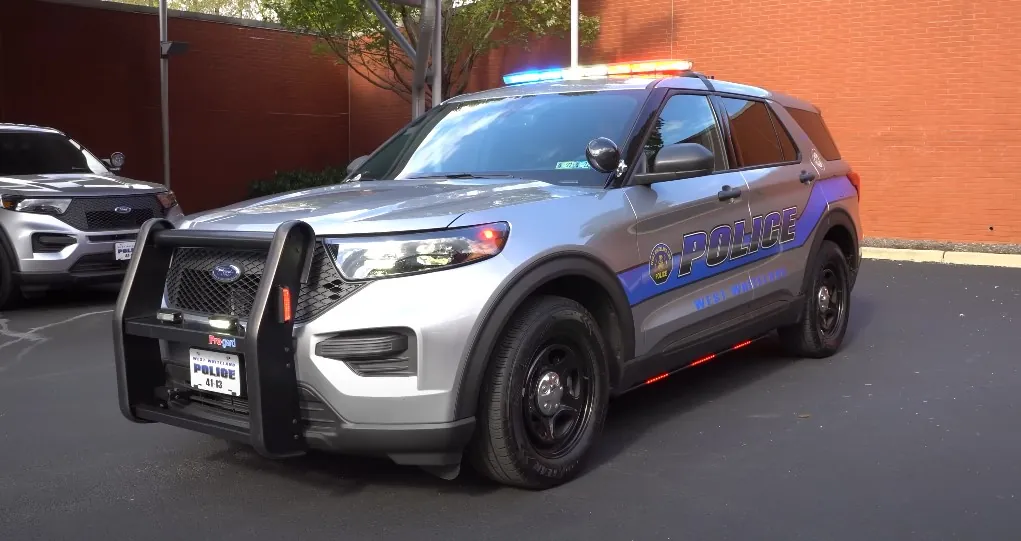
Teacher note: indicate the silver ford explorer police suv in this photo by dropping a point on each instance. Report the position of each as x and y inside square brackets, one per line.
[66, 217]
[484, 282]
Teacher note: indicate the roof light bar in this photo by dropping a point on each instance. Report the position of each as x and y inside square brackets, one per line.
[619, 69]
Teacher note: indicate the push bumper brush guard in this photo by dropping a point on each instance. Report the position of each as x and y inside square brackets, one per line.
[264, 346]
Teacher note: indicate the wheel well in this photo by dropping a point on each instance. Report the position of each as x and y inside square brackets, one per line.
[843, 238]
[590, 294]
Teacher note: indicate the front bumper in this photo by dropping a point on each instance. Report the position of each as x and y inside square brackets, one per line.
[89, 259]
[297, 392]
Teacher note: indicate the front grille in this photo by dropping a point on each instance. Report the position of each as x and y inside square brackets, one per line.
[97, 213]
[190, 284]
[191, 287]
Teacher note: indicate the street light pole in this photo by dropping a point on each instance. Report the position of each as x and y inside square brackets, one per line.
[164, 94]
[438, 56]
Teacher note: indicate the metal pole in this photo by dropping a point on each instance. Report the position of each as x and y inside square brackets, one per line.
[425, 39]
[164, 95]
[438, 56]
[574, 33]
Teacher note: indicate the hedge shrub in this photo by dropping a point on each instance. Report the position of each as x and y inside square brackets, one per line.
[285, 181]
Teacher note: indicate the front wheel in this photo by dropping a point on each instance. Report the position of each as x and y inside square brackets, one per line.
[544, 398]
[10, 292]
[827, 306]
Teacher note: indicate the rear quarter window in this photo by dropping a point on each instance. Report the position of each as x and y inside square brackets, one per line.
[815, 127]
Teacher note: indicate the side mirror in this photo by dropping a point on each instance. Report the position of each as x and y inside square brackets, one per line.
[115, 161]
[678, 161]
[602, 154]
[356, 163]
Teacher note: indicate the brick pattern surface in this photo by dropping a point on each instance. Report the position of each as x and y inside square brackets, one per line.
[921, 96]
[244, 102]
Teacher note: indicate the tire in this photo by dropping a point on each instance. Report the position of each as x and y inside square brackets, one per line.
[547, 335]
[820, 331]
[10, 291]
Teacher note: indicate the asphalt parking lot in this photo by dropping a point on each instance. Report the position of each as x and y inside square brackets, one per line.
[910, 433]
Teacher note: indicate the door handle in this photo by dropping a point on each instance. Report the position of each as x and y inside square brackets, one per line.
[727, 193]
[806, 177]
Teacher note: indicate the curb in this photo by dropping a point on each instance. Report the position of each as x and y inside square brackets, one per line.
[941, 256]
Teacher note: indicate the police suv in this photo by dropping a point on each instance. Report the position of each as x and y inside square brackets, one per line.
[484, 282]
[66, 217]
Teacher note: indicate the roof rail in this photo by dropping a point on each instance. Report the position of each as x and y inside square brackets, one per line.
[699, 75]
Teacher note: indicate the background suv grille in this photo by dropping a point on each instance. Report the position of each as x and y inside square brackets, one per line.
[191, 287]
[97, 214]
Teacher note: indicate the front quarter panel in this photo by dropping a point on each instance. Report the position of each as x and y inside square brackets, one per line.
[591, 235]
[446, 309]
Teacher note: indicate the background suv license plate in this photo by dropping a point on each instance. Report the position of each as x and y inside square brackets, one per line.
[215, 371]
[122, 251]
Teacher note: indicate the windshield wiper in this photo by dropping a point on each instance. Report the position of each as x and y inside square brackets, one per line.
[463, 175]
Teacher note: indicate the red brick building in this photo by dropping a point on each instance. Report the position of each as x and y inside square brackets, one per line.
[244, 100]
[921, 95]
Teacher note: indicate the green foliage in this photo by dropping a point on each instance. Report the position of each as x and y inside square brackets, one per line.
[285, 181]
[471, 29]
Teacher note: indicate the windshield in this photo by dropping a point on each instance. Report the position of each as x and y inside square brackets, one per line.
[37, 153]
[540, 137]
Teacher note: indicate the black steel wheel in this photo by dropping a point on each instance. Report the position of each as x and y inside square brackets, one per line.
[558, 401]
[544, 398]
[827, 304]
[830, 296]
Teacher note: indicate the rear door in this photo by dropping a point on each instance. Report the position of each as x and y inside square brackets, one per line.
[772, 168]
[685, 227]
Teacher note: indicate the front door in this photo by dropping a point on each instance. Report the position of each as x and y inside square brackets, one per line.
[685, 227]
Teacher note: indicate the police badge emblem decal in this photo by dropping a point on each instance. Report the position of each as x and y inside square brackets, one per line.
[661, 262]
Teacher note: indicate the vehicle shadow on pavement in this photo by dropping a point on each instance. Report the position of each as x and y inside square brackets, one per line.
[68, 298]
[640, 411]
[629, 417]
[344, 475]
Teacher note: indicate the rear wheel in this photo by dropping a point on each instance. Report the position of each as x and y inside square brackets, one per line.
[544, 398]
[827, 306]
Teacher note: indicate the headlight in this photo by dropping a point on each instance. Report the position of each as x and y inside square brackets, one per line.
[167, 199]
[366, 258]
[38, 205]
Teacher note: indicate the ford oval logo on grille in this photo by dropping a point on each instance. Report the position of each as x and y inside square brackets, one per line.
[122, 210]
[226, 273]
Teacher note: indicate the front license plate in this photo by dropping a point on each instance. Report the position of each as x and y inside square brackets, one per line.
[122, 251]
[215, 371]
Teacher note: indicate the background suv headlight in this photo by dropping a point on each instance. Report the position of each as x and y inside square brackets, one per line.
[38, 205]
[385, 256]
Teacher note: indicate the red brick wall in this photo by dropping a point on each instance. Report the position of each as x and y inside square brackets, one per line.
[244, 101]
[922, 96]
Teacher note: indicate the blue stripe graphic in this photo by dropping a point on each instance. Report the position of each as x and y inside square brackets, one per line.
[639, 285]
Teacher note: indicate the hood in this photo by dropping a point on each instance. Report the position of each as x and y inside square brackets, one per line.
[74, 184]
[379, 206]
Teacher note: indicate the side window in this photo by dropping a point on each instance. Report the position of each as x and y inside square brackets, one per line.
[817, 131]
[790, 150]
[752, 130]
[686, 118]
